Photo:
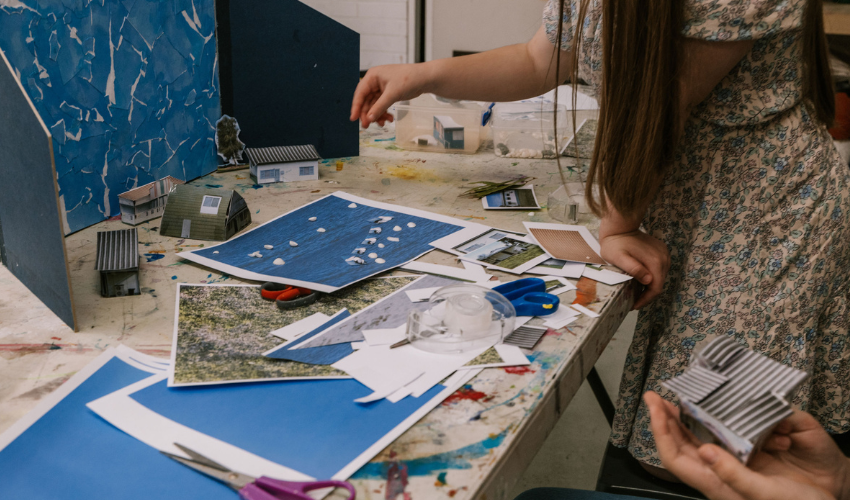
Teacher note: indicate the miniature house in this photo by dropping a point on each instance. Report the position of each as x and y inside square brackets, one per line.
[200, 213]
[448, 132]
[146, 202]
[118, 262]
[284, 164]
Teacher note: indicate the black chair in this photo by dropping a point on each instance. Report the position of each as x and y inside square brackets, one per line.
[621, 473]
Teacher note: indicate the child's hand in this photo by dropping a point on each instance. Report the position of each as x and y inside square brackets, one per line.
[381, 87]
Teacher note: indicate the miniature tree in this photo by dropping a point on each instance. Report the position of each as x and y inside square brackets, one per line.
[227, 140]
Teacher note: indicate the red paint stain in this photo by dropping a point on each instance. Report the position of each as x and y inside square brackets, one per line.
[452, 493]
[464, 393]
[56, 338]
[117, 217]
[518, 370]
[586, 293]
[396, 481]
[11, 351]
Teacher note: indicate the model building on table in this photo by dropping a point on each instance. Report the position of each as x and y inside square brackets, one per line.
[733, 396]
[284, 164]
[118, 262]
[200, 213]
[146, 202]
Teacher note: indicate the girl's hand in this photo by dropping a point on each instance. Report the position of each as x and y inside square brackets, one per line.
[381, 87]
[799, 460]
[642, 256]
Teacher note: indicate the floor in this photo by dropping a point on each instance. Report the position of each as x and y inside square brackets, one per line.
[572, 454]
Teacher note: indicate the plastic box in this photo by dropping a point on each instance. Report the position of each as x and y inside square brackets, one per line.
[431, 124]
[527, 129]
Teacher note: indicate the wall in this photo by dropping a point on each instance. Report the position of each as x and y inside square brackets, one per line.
[387, 27]
[128, 89]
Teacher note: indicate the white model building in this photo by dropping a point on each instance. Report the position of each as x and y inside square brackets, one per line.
[284, 164]
[146, 202]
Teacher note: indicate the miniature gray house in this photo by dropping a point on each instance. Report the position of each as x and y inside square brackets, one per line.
[284, 164]
[448, 132]
[118, 262]
[200, 213]
[146, 202]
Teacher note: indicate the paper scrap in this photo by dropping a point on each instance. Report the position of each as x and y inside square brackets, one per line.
[385, 336]
[510, 355]
[526, 336]
[440, 270]
[295, 330]
[521, 198]
[421, 295]
[358, 345]
[580, 308]
[606, 277]
[561, 268]
[560, 318]
[566, 242]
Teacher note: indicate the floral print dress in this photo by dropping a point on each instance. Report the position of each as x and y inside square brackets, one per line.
[755, 213]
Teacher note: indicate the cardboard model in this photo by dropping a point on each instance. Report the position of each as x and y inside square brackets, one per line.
[448, 132]
[146, 202]
[284, 164]
[734, 397]
[118, 262]
[199, 213]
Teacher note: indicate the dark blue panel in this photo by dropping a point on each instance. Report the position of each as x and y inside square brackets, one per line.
[324, 355]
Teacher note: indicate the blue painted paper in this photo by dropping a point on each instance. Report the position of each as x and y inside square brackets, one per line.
[320, 257]
[129, 90]
[324, 355]
[71, 453]
[313, 427]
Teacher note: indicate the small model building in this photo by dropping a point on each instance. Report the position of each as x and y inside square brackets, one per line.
[284, 164]
[118, 262]
[146, 202]
[448, 132]
[200, 213]
[733, 396]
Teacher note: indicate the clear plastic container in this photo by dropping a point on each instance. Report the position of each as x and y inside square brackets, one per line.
[429, 123]
[527, 129]
[461, 318]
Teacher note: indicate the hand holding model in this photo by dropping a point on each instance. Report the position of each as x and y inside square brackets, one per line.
[799, 460]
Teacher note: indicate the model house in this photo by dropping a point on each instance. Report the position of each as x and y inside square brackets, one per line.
[200, 213]
[146, 202]
[448, 132]
[118, 262]
[284, 164]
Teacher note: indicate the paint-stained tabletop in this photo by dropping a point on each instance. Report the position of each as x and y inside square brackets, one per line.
[475, 445]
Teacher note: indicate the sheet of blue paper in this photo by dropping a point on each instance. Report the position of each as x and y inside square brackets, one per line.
[70, 452]
[319, 261]
[311, 426]
[324, 355]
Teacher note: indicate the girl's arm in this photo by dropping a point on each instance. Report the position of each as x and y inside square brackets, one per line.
[505, 74]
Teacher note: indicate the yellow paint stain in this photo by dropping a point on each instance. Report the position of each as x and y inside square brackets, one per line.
[409, 173]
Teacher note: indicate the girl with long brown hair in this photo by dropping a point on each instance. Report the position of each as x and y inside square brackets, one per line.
[718, 185]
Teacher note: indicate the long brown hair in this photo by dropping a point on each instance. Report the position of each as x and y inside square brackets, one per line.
[637, 132]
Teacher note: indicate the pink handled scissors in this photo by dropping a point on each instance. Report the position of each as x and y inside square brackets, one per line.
[251, 488]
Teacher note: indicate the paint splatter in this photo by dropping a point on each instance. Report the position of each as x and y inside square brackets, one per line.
[396, 481]
[151, 257]
[465, 393]
[518, 370]
[441, 479]
[174, 277]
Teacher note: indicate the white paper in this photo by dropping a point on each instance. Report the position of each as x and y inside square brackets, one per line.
[566, 288]
[299, 328]
[358, 345]
[582, 231]
[476, 268]
[580, 308]
[570, 270]
[422, 294]
[385, 336]
[560, 318]
[607, 277]
[511, 356]
[440, 270]
[301, 345]
[521, 320]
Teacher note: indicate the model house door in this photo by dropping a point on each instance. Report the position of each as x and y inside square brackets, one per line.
[277, 175]
[187, 228]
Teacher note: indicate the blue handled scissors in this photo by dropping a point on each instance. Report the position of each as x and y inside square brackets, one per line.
[529, 297]
[251, 488]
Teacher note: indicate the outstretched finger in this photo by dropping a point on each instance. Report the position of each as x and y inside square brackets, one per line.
[737, 476]
[363, 90]
[381, 105]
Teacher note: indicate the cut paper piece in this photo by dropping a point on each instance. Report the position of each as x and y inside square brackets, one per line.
[568, 287]
[359, 251]
[561, 318]
[355, 261]
[221, 331]
[411, 224]
[512, 199]
[379, 261]
[373, 255]
[375, 230]
[63, 440]
[397, 228]
[566, 242]
[421, 295]
[560, 268]
[216, 251]
[390, 311]
[526, 336]
[498, 355]
[606, 277]
[440, 270]
[278, 262]
[319, 262]
[305, 433]
[255, 254]
[380, 220]
[502, 250]
[268, 247]
[300, 327]
[385, 370]
[293, 244]
[406, 382]
[312, 219]
[580, 308]
[393, 239]
[385, 336]
[320, 230]
[323, 355]
[380, 245]
[358, 345]
[369, 241]
[353, 205]
[476, 268]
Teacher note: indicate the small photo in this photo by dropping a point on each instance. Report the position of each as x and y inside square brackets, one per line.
[512, 199]
[507, 253]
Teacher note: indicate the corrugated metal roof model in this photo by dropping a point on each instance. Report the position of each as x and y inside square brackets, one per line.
[734, 396]
[117, 260]
[200, 213]
[282, 154]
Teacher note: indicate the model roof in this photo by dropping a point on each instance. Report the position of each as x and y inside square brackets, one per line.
[117, 250]
[143, 191]
[185, 203]
[282, 154]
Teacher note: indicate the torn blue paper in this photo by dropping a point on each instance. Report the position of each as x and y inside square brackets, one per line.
[324, 355]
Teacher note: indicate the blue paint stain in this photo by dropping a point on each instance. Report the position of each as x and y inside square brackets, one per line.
[425, 466]
[174, 277]
[154, 256]
[442, 477]
[213, 186]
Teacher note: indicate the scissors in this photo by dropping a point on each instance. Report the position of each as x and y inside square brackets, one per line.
[251, 488]
[288, 297]
[529, 297]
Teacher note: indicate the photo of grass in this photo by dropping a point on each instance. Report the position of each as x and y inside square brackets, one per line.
[488, 357]
[222, 331]
[508, 253]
